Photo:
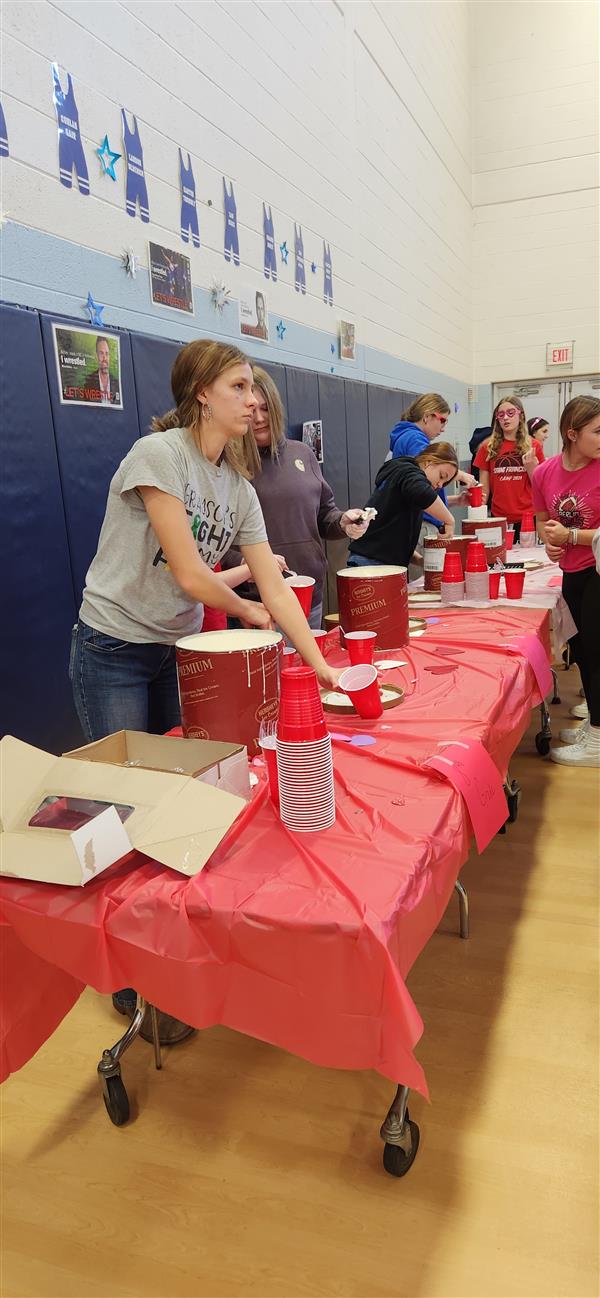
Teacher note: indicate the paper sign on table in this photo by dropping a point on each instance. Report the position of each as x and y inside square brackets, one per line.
[471, 771]
[531, 648]
[102, 841]
[555, 581]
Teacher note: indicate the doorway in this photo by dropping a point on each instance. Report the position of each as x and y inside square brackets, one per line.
[548, 398]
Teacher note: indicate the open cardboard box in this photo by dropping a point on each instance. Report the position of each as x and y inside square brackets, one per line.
[223, 765]
[64, 820]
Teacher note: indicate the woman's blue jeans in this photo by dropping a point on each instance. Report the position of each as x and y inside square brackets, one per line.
[359, 561]
[118, 685]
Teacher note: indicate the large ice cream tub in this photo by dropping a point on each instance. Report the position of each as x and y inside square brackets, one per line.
[228, 683]
[375, 598]
[492, 531]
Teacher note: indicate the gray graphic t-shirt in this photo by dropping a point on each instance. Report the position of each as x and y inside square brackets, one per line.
[129, 592]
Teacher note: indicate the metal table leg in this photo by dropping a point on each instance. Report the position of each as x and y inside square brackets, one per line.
[463, 908]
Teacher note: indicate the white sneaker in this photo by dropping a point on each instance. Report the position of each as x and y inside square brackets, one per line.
[580, 711]
[586, 753]
[575, 735]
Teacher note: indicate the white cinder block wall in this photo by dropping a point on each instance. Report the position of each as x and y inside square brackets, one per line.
[535, 185]
[354, 120]
[349, 119]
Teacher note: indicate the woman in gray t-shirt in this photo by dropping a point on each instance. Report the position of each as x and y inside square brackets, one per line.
[177, 503]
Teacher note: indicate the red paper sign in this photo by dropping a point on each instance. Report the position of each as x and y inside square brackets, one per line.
[471, 771]
[531, 648]
[555, 581]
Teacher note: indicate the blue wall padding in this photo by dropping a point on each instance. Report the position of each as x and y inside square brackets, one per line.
[152, 364]
[38, 604]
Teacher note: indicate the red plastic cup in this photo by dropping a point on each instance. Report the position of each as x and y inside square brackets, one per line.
[476, 496]
[494, 584]
[510, 538]
[476, 560]
[360, 646]
[527, 523]
[360, 683]
[452, 567]
[514, 582]
[301, 717]
[303, 588]
[320, 637]
[267, 747]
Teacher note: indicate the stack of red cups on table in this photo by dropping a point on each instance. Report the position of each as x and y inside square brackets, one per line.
[453, 583]
[527, 536]
[477, 584]
[304, 760]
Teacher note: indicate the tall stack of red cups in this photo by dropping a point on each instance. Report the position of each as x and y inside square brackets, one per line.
[453, 583]
[304, 759]
[477, 584]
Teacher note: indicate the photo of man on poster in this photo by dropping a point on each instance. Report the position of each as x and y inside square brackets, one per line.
[100, 380]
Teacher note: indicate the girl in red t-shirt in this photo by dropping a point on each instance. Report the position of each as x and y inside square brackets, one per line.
[506, 461]
[566, 492]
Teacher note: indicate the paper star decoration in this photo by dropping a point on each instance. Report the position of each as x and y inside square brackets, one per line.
[314, 267]
[108, 158]
[95, 310]
[281, 328]
[332, 348]
[129, 261]
[220, 295]
[285, 252]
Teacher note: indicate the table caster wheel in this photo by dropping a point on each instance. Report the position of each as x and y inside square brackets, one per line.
[542, 743]
[513, 799]
[116, 1100]
[398, 1161]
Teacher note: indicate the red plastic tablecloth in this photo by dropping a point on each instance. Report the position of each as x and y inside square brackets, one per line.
[301, 940]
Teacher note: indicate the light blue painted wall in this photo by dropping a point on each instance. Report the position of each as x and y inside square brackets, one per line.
[42, 271]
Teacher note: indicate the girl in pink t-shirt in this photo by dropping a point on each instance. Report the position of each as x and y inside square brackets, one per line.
[566, 499]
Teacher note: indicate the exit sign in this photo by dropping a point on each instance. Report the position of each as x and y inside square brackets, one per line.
[559, 354]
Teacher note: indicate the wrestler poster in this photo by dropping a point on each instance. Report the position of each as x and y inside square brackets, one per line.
[88, 364]
[171, 278]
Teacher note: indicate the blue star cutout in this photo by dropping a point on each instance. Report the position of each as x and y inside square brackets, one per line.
[285, 252]
[281, 328]
[108, 158]
[314, 267]
[95, 310]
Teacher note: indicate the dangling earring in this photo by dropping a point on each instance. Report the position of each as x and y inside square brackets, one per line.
[207, 411]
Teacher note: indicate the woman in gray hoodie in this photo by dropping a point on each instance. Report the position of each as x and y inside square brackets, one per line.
[298, 507]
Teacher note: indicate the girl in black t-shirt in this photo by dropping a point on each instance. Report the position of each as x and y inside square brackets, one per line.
[404, 489]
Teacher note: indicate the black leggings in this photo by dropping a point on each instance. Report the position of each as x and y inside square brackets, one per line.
[582, 593]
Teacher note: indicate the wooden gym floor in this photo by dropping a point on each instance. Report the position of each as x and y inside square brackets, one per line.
[250, 1172]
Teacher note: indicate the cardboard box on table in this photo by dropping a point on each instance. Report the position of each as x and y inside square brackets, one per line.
[175, 819]
[223, 765]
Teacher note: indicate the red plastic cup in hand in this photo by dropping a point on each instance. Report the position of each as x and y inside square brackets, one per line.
[360, 646]
[303, 588]
[360, 683]
[494, 579]
[301, 718]
[476, 560]
[514, 582]
[476, 496]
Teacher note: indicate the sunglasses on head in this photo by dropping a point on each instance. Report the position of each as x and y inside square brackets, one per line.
[507, 414]
[442, 418]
